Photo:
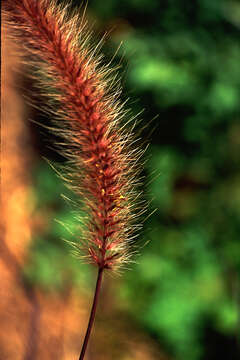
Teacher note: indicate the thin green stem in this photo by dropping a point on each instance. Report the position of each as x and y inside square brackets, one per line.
[93, 312]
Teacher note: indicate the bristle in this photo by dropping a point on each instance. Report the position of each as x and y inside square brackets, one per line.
[103, 167]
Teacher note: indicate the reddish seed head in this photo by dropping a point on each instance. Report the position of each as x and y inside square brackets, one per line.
[88, 109]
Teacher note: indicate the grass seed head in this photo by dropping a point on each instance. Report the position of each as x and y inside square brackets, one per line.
[102, 163]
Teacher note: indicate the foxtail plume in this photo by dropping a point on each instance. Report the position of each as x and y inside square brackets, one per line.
[84, 102]
[103, 167]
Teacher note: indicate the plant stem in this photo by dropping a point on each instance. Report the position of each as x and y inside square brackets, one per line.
[93, 312]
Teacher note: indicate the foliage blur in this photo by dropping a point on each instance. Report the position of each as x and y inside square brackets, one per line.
[180, 61]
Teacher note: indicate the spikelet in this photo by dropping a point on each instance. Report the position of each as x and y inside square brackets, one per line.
[103, 168]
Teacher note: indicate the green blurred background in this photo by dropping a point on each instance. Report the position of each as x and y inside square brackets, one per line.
[180, 61]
